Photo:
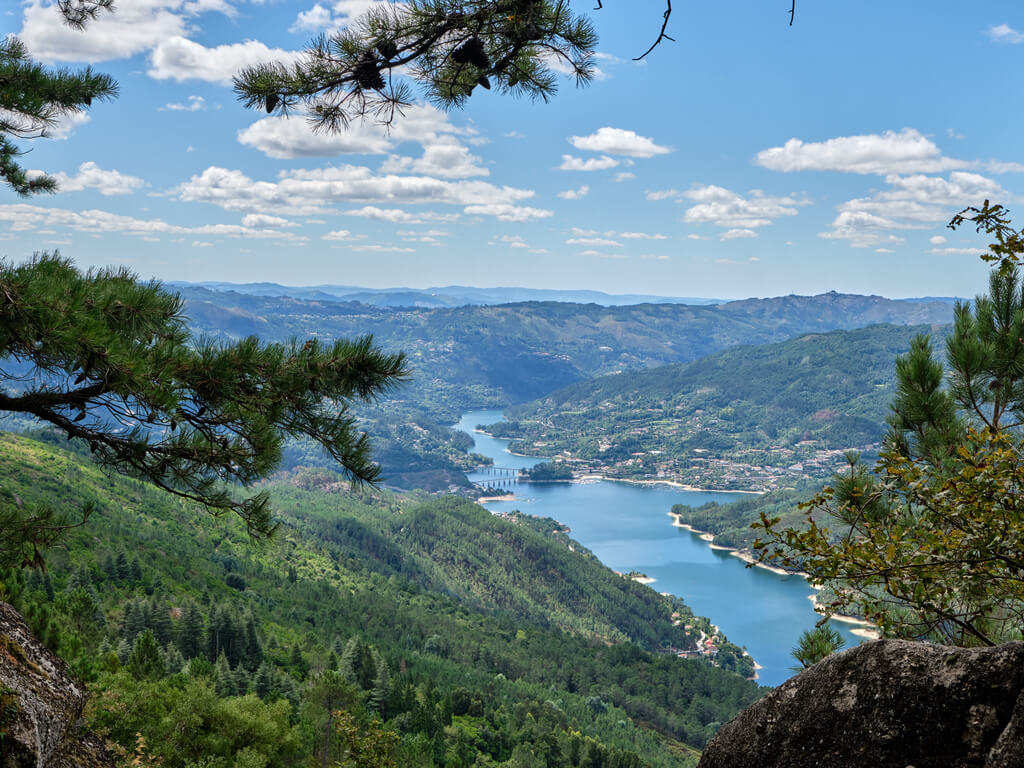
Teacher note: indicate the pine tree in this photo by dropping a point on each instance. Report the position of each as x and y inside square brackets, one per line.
[815, 644]
[134, 623]
[253, 654]
[190, 638]
[160, 620]
[209, 419]
[450, 48]
[174, 662]
[146, 661]
[380, 689]
[34, 100]
[121, 567]
[929, 545]
[223, 680]
[263, 681]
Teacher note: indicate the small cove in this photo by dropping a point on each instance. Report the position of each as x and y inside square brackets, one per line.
[628, 527]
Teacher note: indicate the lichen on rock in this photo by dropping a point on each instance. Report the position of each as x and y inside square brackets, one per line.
[44, 728]
[890, 703]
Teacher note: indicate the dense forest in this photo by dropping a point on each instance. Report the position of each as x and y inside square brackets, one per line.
[416, 614]
[749, 417]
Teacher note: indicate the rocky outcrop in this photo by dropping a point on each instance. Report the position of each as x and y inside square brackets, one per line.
[41, 720]
[890, 703]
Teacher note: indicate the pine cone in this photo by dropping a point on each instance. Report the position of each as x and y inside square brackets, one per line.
[367, 74]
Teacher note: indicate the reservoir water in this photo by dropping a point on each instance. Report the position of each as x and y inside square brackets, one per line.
[628, 527]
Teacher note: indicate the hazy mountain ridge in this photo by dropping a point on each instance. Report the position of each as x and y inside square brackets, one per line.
[484, 355]
[446, 296]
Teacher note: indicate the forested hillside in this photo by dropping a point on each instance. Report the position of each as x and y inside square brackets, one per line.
[491, 356]
[749, 417]
[474, 640]
[477, 356]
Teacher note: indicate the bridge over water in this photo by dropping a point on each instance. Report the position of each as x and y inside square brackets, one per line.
[495, 476]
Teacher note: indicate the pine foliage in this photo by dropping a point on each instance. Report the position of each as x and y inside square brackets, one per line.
[34, 99]
[108, 361]
[449, 47]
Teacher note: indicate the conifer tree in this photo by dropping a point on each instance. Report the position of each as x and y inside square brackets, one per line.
[34, 99]
[223, 679]
[930, 545]
[190, 638]
[146, 661]
[263, 681]
[110, 362]
[449, 48]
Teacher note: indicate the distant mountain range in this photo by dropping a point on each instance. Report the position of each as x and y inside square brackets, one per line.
[446, 296]
[474, 356]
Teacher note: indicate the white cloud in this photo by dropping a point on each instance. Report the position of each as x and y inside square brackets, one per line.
[136, 26]
[937, 240]
[262, 220]
[286, 138]
[575, 194]
[697, 237]
[623, 176]
[447, 159]
[999, 166]
[910, 202]
[1003, 33]
[316, 19]
[178, 58]
[725, 208]
[383, 249]
[907, 151]
[862, 230]
[603, 163]
[66, 125]
[201, 244]
[884, 250]
[194, 104]
[306, 192]
[596, 242]
[91, 176]
[950, 251]
[428, 233]
[398, 216]
[23, 217]
[340, 14]
[663, 194]
[338, 234]
[642, 236]
[734, 234]
[617, 141]
[507, 212]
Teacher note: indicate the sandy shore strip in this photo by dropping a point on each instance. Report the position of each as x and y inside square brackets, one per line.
[672, 483]
[506, 497]
[643, 579]
[865, 628]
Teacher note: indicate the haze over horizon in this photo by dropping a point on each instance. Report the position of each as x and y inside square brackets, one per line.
[724, 165]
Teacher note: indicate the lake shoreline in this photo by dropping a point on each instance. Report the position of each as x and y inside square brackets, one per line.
[866, 629]
[589, 478]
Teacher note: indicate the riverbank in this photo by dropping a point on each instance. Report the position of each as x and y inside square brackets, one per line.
[865, 629]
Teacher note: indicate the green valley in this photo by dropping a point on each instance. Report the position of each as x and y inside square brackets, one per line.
[747, 418]
[474, 639]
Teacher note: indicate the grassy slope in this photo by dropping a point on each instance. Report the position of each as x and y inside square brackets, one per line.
[397, 573]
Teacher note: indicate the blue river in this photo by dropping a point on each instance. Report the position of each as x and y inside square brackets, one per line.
[628, 527]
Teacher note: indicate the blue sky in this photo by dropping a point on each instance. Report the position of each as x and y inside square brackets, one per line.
[748, 158]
